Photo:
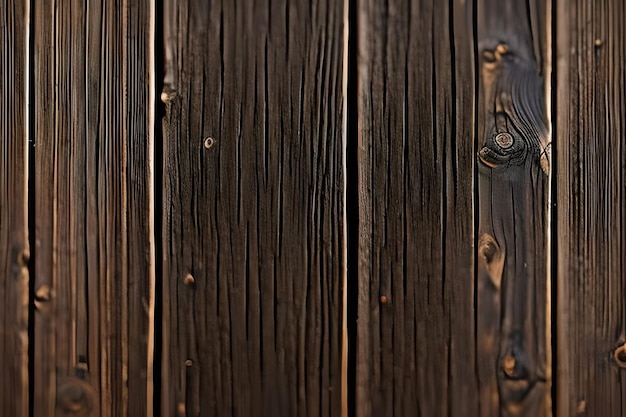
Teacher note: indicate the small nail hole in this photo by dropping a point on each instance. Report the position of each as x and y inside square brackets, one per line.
[209, 142]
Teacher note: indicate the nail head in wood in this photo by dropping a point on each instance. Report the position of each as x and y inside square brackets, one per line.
[209, 142]
[188, 363]
[598, 43]
[384, 299]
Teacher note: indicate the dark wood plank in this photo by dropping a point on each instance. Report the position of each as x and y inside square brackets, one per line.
[591, 212]
[415, 331]
[514, 166]
[253, 245]
[14, 245]
[93, 257]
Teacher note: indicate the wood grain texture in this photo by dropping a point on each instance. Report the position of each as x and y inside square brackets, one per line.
[514, 155]
[14, 245]
[92, 255]
[591, 213]
[416, 331]
[253, 205]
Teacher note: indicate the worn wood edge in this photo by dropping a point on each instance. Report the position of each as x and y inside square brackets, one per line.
[167, 95]
[547, 89]
[344, 217]
[25, 273]
[151, 206]
[362, 398]
[561, 120]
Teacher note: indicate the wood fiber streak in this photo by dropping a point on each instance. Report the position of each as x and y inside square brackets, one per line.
[14, 246]
[591, 212]
[514, 157]
[415, 331]
[92, 258]
[252, 211]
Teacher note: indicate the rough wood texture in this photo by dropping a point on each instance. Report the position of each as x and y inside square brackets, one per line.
[415, 332]
[92, 258]
[14, 247]
[514, 155]
[591, 213]
[253, 238]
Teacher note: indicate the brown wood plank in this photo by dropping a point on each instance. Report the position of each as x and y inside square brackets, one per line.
[591, 213]
[415, 331]
[514, 158]
[253, 245]
[14, 245]
[93, 279]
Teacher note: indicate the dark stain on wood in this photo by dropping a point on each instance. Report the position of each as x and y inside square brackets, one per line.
[253, 241]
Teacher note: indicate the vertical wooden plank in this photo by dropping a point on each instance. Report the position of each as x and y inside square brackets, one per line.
[514, 158]
[253, 246]
[93, 266]
[14, 245]
[591, 198]
[415, 331]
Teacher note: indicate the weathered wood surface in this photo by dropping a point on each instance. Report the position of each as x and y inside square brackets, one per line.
[14, 245]
[93, 279]
[591, 212]
[514, 166]
[253, 236]
[415, 332]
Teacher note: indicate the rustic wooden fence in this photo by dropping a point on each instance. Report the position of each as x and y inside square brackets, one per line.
[313, 208]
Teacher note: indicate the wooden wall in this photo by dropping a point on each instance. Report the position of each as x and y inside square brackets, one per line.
[416, 177]
[14, 203]
[590, 185]
[93, 263]
[313, 208]
[253, 208]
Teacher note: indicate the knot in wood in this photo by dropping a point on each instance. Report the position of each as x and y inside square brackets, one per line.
[43, 293]
[493, 56]
[189, 280]
[505, 140]
[209, 142]
[487, 247]
[75, 397]
[508, 365]
[620, 356]
[503, 149]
